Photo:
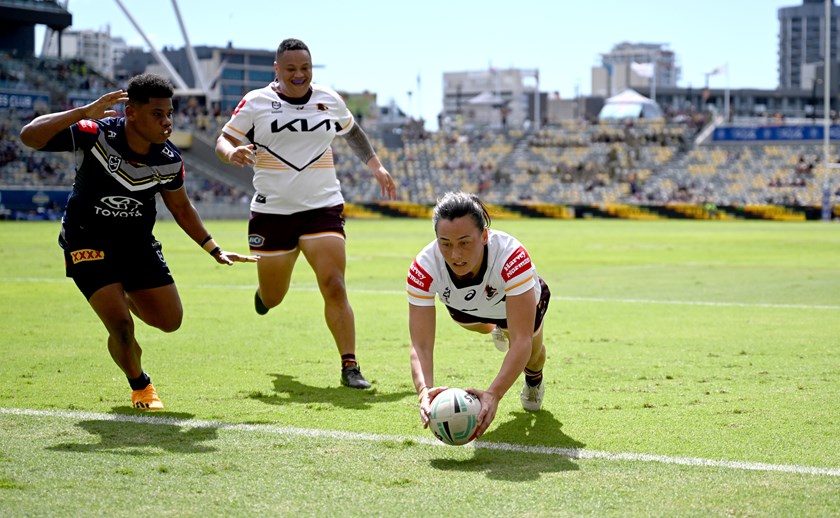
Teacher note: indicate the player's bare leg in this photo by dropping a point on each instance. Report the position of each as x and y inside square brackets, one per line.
[111, 305]
[327, 257]
[274, 273]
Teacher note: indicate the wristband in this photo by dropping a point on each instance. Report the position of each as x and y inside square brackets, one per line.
[215, 251]
[206, 239]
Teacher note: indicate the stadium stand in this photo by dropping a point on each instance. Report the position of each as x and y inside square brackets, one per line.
[638, 170]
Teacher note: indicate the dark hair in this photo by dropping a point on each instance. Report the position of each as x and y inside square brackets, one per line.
[146, 86]
[290, 44]
[455, 205]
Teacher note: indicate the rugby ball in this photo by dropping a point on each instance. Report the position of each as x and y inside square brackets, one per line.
[453, 416]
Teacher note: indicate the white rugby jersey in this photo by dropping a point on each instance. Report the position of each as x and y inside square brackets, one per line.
[509, 271]
[294, 169]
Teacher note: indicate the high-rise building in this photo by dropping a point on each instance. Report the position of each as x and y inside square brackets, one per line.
[620, 69]
[802, 42]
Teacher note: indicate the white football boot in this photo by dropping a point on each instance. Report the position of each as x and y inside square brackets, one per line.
[500, 340]
[532, 397]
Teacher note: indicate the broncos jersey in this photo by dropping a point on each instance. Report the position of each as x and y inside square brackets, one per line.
[507, 270]
[114, 189]
[294, 168]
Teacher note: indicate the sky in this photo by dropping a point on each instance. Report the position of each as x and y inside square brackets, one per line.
[392, 47]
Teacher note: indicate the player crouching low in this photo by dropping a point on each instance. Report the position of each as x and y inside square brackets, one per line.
[487, 282]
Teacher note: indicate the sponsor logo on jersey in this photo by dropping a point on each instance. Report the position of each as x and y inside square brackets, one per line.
[470, 295]
[518, 262]
[256, 240]
[418, 277]
[296, 125]
[114, 163]
[168, 152]
[111, 135]
[322, 107]
[239, 106]
[119, 207]
[276, 105]
[490, 292]
[446, 293]
[80, 256]
[260, 198]
[88, 126]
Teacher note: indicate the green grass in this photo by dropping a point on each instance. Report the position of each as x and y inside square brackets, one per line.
[709, 340]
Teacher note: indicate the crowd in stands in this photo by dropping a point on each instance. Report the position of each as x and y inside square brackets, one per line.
[576, 162]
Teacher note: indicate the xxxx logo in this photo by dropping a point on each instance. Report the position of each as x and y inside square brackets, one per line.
[80, 256]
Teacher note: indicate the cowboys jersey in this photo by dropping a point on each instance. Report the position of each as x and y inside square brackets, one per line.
[114, 189]
[507, 270]
[294, 168]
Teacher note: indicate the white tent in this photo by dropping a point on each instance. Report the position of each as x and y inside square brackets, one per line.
[630, 104]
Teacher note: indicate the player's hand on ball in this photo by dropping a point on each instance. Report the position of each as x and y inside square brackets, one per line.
[489, 405]
[426, 398]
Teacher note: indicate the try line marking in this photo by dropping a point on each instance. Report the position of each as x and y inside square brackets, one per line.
[313, 287]
[570, 453]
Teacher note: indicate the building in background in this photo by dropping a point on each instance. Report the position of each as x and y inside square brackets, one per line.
[18, 20]
[497, 98]
[620, 69]
[802, 43]
[97, 48]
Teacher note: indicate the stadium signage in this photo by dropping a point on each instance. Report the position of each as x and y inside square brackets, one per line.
[25, 100]
[785, 133]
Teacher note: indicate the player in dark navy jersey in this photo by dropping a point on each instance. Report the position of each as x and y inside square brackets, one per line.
[106, 233]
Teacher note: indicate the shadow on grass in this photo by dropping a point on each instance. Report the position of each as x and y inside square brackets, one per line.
[526, 429]
[288, 390]
[133, 438]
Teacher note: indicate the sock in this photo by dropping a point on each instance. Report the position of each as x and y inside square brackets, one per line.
[533, 378]
[141, 382]
[348, 360]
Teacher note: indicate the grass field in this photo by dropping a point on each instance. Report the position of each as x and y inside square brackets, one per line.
[693, 370]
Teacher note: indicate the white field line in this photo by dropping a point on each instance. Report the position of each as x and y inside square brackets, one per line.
[313, 287]
[570, 453]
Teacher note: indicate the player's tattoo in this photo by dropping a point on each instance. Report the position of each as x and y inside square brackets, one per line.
[359, 143]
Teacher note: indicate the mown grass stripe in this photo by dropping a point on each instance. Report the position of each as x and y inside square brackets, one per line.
[313, 287]
[571, 453]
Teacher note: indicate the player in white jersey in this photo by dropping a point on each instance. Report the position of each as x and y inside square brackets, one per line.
[284, 132]
[487, 282]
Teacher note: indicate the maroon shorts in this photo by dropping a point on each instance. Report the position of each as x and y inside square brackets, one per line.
[276, 233]
[542, 307]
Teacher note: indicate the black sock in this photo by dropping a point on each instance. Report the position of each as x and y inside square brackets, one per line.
[140, 382]
[348, 360]
[533, 378]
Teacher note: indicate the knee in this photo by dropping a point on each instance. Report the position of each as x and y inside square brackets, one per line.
[271, 300]
[334, 289]
[170, 323]
[167, 323]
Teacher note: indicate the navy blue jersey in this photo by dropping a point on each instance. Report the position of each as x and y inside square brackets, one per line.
[114, 189]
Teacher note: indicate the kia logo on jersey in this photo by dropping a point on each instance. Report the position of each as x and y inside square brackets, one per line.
[303, 125]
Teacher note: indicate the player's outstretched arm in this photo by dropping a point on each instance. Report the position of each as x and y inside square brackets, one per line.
[40, 130]
[421, 325]
[358, 141]
[188, 219]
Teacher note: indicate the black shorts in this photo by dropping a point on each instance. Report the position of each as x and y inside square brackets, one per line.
[542, 307]
[93, 262]
[275, 234]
